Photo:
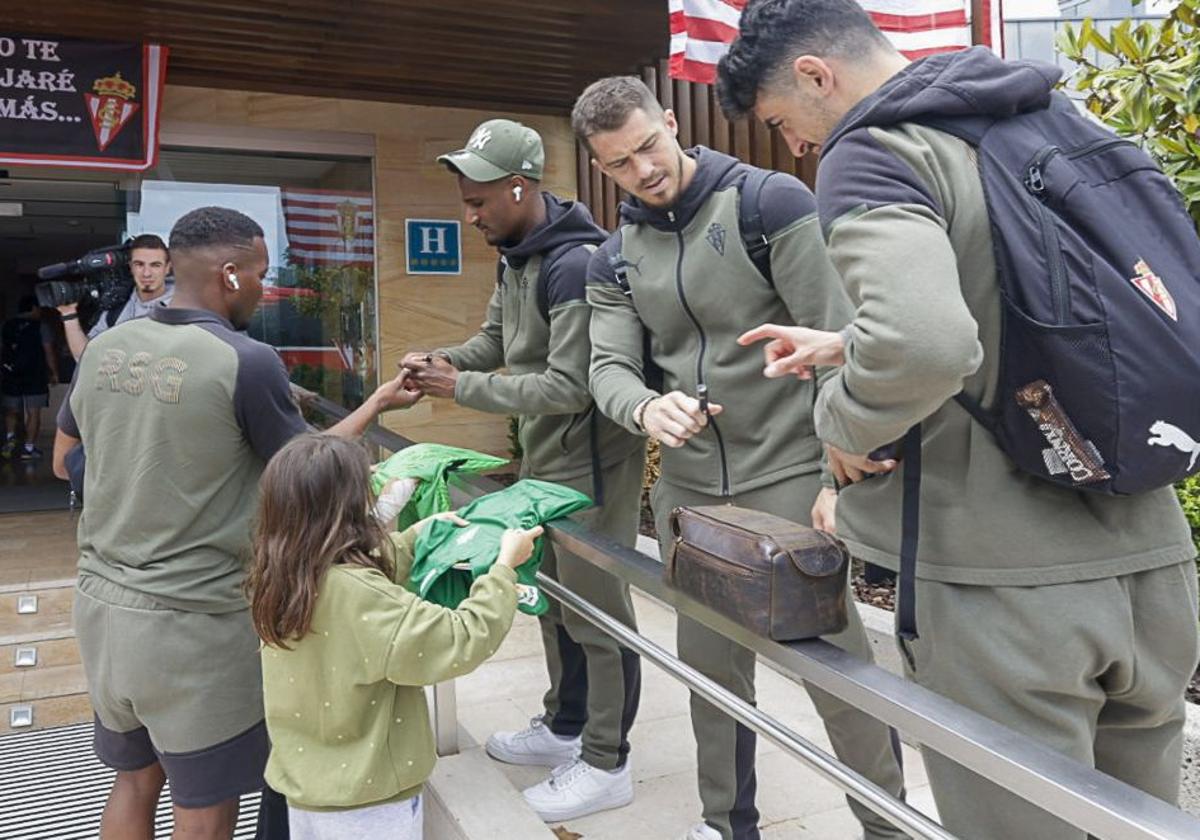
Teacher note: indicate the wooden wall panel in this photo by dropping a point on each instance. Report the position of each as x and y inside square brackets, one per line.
[414, 312]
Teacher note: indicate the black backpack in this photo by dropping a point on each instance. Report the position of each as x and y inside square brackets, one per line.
[1098, 264]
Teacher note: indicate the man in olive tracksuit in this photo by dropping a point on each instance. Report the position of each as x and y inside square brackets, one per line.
[537, 328]
[1068, 616]
[678, 272]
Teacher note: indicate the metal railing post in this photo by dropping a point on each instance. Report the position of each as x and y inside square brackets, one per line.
[445, 718]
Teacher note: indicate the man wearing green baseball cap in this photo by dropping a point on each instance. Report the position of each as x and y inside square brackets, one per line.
[498, 149]
[537, 327]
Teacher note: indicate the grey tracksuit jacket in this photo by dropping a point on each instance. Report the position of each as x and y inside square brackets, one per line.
[693, 290]
[546, 352]
[903, 211]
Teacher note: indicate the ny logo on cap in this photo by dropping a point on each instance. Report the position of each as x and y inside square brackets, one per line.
[480, 139]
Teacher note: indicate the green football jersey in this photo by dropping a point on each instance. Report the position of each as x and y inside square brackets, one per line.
[449, 557]
[432, 463]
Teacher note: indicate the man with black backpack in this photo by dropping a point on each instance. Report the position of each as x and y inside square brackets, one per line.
[1025, 285]
[706, 248]
[537, 328]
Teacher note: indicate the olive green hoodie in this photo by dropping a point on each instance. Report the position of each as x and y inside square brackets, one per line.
[693, 290]
[541, 336]
[345, 706]
[903, 209]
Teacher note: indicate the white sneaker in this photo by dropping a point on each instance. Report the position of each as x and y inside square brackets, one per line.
[536, 745]
[577, 789]
[702, 831]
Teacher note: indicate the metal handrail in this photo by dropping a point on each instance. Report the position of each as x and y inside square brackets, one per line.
[861, 788]
[1082, 796]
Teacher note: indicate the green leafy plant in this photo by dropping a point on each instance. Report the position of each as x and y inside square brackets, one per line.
[342, 301]
[514, 438]
[1189, 495]
[1145, 84]
[337, 287]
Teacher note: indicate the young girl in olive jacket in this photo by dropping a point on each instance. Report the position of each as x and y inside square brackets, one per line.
[347, 648]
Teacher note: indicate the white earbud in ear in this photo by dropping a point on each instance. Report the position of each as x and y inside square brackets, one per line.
[233, 282]
[517, 192]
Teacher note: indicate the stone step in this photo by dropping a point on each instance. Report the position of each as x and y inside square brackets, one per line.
[48, 712]
[54, 689]
[27, 685]
[51, 621]
[37, 550]
[50, 653]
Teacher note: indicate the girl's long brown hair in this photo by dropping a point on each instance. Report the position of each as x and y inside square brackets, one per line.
[314, 511]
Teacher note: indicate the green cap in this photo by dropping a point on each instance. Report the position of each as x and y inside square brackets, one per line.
[498, 148]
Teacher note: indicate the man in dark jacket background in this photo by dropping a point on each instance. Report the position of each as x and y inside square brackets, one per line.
[26, 368]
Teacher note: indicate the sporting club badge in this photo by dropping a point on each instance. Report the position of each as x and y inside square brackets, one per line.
[110, 107]
[347, 223]
[716, 237]
[1152, 286]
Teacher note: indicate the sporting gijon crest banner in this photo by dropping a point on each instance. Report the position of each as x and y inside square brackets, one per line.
[84, 104]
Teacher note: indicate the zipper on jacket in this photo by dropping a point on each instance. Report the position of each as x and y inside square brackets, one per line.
[725, 491]
[1036, 184]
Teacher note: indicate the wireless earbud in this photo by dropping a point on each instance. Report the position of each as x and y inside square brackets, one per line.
[233, 282]
[517, 192]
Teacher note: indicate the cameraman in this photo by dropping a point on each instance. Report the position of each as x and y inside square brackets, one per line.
[149, 263]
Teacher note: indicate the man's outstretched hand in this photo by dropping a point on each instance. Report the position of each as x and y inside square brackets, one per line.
[795, 350]
[431, 375]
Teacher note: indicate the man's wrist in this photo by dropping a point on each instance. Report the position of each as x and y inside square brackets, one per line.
[838, 344]
[639, 413]
[71, 316]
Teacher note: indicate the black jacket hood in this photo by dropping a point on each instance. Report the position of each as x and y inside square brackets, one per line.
[712, 171]
[968, 83]
[566, 223]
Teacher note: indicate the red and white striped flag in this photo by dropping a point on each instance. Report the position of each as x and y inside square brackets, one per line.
[326, 227]
[701, 30]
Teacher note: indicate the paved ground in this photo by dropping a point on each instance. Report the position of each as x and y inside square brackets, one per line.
[795, 803]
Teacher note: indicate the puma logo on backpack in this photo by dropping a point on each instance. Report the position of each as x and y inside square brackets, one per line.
[1163, 433]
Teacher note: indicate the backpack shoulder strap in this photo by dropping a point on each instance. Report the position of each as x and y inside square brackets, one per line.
[750, 222]
[620, 268]
[548, 259]
[970, 129]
